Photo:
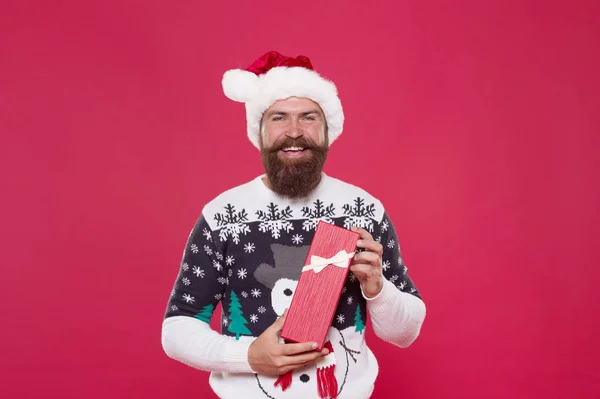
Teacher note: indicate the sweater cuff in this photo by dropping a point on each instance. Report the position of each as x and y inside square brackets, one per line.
[380, 302]
[236, 356]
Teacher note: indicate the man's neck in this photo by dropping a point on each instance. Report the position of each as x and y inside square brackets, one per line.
[267, 183]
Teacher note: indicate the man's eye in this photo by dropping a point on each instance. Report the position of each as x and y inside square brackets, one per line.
[309, 118]
[277, 118]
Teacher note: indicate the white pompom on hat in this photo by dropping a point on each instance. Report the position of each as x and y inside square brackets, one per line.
[274, 77]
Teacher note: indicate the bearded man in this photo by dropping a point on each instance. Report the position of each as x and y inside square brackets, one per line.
[247, 247]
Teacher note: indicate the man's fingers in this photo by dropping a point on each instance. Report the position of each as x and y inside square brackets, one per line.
[278, 324]
[364, 234]
[358, 268]
[367, 257]
[297, 348]
[371, 245]
[367, 242]
[274, 329]
[304, 358]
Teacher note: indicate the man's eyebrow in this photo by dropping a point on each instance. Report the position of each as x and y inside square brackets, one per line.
[283, 113]
[312, 111]
[271, 113]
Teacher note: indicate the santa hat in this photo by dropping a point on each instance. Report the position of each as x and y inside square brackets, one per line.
[274, 77]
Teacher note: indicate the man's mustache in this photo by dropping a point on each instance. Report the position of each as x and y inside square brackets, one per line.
[293, 142]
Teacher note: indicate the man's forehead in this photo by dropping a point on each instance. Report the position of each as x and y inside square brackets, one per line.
[295, 104]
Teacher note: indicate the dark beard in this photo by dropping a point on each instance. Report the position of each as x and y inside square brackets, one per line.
[294, 178]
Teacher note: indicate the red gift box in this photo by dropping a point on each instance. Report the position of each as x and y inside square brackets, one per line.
[320, 285]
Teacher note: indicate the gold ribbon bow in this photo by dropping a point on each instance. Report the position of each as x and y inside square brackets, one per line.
[317, 263]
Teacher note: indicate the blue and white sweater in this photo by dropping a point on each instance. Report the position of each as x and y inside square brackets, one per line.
[246, 251]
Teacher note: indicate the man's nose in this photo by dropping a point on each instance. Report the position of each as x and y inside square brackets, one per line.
[294, 130]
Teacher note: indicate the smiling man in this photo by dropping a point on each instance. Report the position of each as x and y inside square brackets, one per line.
[248, 246]
[293, 146]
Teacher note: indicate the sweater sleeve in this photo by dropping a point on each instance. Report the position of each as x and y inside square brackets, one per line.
[398, 311]
[397, 316]
[201, 279]
[198, 288]
[192, 342]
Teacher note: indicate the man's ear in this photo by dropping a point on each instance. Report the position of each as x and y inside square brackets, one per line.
[260, 138]
[261, 133]
[326, 135]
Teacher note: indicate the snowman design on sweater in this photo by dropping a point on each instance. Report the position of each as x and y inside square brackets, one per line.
[246, 251]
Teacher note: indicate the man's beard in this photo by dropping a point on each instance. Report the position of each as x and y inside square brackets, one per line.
[294, 178]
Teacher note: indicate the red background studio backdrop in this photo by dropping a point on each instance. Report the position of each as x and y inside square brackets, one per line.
[476, 124]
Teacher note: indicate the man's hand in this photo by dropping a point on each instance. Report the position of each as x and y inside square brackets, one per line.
[267, 356]
[366, 265]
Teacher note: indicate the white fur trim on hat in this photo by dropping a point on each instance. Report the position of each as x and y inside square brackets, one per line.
[279, 83]
[240, 85]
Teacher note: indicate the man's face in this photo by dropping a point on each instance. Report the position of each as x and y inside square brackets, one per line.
[294, 146]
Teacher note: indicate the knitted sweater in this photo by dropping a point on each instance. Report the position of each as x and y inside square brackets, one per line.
[246, 251]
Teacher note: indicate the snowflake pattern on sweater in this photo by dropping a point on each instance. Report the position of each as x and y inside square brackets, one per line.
[248, 246]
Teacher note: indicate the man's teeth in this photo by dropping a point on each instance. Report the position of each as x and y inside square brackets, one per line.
[294, 149]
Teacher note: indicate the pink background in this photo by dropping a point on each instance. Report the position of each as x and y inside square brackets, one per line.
[476, 123]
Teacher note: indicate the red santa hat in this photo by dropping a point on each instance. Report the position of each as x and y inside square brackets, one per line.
[274, 77]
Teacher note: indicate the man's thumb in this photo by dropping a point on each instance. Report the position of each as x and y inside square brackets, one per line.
[279, 322]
